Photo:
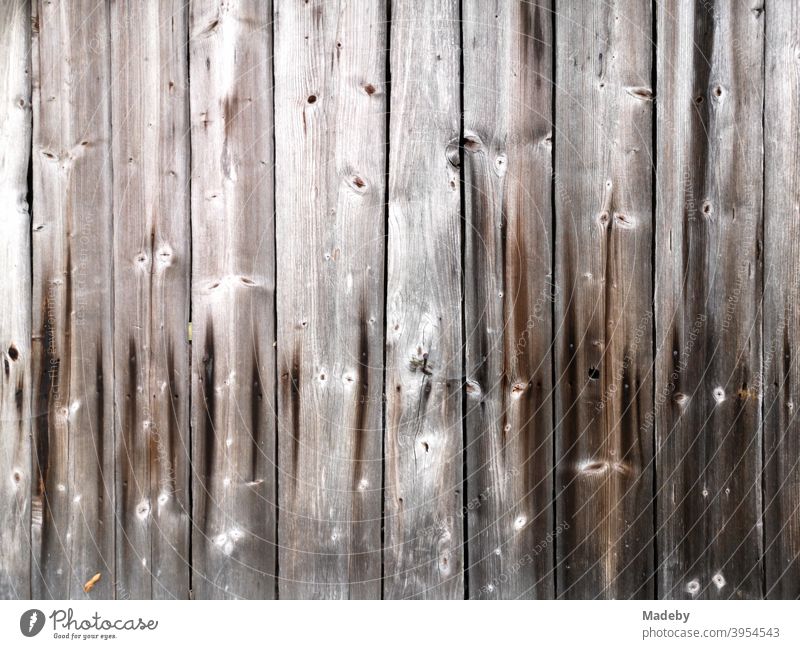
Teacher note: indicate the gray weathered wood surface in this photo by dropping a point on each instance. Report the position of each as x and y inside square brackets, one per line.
[399, 299]
[603, 339]
[508, 77]
[708, 296]
[233, 289]
[73, 492]
[330, 146]
[15, 296]
[423, 552]
[149, 98]
[779, 379]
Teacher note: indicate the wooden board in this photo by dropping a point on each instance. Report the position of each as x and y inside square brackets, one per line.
[15, 296]
[73, 489]
[331, 150]
[423, 549]
[152, 261]
[233, 287]
[508, 122]
[780, 376]
[603, 339]
[708, 291]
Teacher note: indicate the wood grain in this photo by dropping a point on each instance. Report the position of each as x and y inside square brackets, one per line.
[233, 288]
[708, 291]
[331, 151]
[73, 491]
[508, 126]
[423, 551]
[780, 378]
[603, 340]
[150, 121]
[15, 296]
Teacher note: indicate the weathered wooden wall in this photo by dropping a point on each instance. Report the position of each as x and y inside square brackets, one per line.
[461, 298]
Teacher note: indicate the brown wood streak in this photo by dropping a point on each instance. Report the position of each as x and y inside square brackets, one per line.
[708, 291]
[233, 288]
[15, 297]
[330, 137]
[603, 311]
[780, 376]
[207, 442]
[508, 153]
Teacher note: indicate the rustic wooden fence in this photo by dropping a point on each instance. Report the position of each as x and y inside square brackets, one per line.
[396, 298]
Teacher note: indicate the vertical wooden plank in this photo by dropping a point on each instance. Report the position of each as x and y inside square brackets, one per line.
[708, 289]
[233, 287]
[508, 296]
[15, 296]
[603, 159]
[151, 297]
[781, 377]
[73, 501]
[423, 549]
[330, 147]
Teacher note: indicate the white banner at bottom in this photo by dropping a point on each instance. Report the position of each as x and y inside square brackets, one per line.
[172, 624]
